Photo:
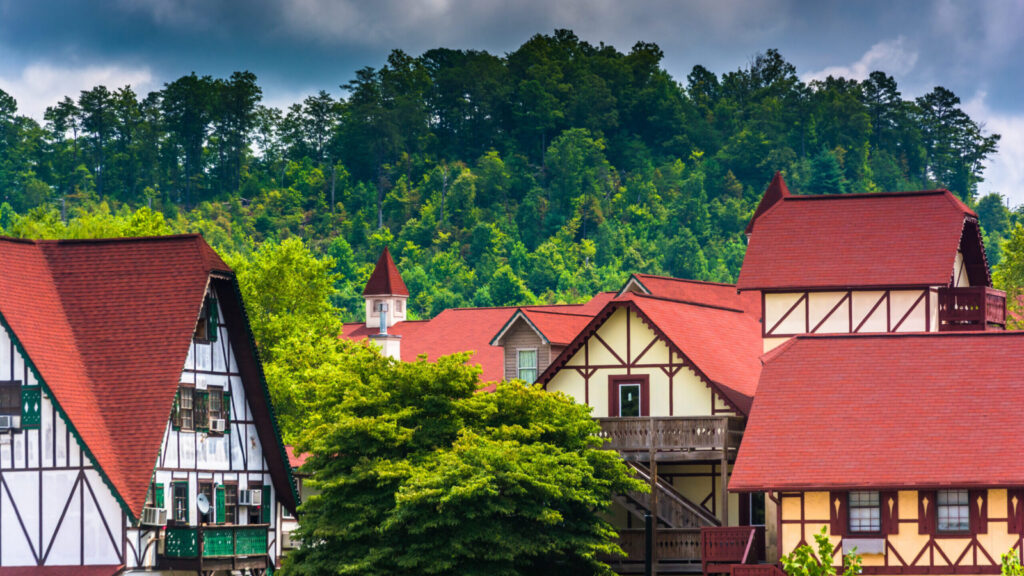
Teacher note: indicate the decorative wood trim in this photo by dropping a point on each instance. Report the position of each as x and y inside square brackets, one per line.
[617, 380]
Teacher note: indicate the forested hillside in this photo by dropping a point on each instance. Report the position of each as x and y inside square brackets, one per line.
[545, 174]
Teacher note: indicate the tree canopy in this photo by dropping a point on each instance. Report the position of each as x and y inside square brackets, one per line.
[417, 473]
[542, 175]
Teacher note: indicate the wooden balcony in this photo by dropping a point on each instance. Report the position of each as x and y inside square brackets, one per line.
[692, 550]
[673, 438]
[216, 547]
[677, 551]
[971, 308]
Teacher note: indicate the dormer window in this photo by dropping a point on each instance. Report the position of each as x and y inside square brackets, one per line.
[209, 322]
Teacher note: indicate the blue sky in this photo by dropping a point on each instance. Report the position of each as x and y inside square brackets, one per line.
[52, 48]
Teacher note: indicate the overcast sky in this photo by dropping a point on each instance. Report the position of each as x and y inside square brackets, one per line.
[52, 48]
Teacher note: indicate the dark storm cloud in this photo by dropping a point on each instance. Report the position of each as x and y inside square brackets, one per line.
[51, 48]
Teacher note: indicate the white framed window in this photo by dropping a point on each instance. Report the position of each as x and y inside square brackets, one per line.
[952, 511]
[526, 366]
[865, 512]
[399, 307]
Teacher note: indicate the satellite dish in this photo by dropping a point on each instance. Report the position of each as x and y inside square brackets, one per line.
[203, 503]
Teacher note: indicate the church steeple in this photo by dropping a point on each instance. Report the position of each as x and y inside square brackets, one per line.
[385, 288]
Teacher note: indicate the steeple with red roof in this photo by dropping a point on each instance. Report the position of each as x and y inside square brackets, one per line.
[385, 288]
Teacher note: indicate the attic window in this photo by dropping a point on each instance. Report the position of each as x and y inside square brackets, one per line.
[209, 321]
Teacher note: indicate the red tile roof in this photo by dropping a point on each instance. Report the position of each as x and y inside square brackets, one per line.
[777, 190]
[887, 411]
[712, 293]
[106, 324]
[61, 570]
[295, 460]
[471, 329]
[385, 278]
[722, 343]
[855, 240]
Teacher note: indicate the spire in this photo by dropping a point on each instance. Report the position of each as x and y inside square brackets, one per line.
[776, 191]
[385, 279]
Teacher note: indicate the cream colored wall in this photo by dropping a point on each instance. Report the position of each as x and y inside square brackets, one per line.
[833, 313]
[960, 279]
[907, 542]
[690, 395]
[393, 315]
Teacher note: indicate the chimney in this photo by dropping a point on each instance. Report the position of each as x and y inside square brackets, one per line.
[390, 344]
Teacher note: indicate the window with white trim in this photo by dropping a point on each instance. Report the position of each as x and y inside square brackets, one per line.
[526, 367]
[952, 510]
[865, 512]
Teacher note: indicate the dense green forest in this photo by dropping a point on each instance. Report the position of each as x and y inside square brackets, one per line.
[545, 174]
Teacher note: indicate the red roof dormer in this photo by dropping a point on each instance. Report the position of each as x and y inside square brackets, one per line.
[385, 279]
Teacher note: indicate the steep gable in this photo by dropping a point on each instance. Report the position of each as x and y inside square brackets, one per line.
[105, 325]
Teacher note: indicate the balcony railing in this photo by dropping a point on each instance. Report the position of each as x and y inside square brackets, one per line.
[671, 434]
[215, 541]
[673, 545]
[971, 308]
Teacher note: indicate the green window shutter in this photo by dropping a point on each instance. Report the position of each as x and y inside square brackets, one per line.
[265, 508]
[175, 415]
[158, 496]
[202, 417]
[213, 320]
[31, 398]
[226, 405]
[220, 504]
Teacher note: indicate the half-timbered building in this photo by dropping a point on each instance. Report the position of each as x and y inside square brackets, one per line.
[136, 430]
[671, 367]
[859, 263]
[902, 446]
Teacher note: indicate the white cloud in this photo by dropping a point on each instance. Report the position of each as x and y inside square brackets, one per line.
[892, 56]
[1005, 171]
[41, 85]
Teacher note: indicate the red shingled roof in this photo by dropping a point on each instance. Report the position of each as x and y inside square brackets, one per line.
[385, 278]
[471, 329]
[855, 240]
[723, 343]
[295, 460]
[777, 190]
[887, 411]
[712, 293]
[107, 325]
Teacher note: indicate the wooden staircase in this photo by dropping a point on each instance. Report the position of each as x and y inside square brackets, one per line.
[673, 509]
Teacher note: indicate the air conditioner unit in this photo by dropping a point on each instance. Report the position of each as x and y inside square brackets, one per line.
[9, 422]
[217, 425]
[154, 517]
[245, 498]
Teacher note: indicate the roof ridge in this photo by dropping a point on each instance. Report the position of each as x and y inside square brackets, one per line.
[688, 280]
[887, 194]
[43, 241]
[679, 301]
[908, 335]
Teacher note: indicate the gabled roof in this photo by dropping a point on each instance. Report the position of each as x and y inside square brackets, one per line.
[385, 279]
[105, 325]
[472, 329]
[722, 344]
[887, 411]
[555, 324]
[895, 239]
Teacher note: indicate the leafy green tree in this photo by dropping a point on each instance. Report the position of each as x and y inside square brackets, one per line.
[1009, 276]
[806, 561]
[419, 474]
